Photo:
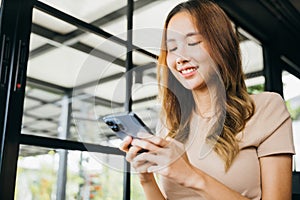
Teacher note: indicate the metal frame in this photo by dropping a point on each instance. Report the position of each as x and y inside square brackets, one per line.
[128, 99]
[14, 32]
[86, 26]
[272, 70]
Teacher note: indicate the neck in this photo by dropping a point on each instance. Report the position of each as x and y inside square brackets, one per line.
[205, 100]
[203, 104]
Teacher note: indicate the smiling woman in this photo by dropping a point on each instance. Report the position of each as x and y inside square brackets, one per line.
[212, 138]
[211, 131]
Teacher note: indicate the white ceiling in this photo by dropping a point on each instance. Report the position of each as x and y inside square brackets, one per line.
[68, 67]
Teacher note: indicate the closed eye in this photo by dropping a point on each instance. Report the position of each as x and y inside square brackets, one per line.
[194, 43]
[171, 45]
[193, 39]
[172, 49]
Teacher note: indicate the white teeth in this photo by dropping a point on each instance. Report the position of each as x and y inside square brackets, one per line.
[186, 71]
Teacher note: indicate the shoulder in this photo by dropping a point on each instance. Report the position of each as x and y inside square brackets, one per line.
[270, 117]
[266, 98]
[270, 104]
[270, 130]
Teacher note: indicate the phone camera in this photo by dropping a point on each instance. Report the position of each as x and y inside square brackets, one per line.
[109, 123]
[113, 126]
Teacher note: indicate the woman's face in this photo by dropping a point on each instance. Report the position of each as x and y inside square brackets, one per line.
[187, 57]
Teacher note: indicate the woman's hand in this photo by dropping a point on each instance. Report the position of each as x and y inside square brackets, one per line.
[165, 156]
[131, 153]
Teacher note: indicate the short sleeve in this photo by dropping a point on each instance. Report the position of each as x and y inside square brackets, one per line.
[277, 125]
[280, 141]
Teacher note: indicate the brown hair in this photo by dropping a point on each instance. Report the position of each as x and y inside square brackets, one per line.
[223, 47]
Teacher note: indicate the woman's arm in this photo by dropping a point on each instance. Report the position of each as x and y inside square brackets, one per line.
[151, 189]
[276, 175]
[210, 188]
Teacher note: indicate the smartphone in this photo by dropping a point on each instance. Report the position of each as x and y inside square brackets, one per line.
[124, 124]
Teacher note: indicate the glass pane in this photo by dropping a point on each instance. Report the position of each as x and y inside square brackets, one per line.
[147, 33]
[137, 192]
[83, 67]
[155, 10]
[89, 175]
[252, 56]
[51, 23]
[36, 174]
[252, 61]
[89, 11]
[251, 52]
[255, 85]
[291, 94]
[65, 67]
[41, 112]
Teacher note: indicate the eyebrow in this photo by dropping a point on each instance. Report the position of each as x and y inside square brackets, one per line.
[187, 35]
[170, 40]
[192, 34]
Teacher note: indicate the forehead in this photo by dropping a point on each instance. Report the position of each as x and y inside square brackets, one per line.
[181, 24]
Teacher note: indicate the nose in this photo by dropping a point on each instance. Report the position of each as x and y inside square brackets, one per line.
[181, 60]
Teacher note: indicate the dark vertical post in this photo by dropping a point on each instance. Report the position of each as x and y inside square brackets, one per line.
[129, 64]
[64, 132]
[8, 26]
[128, 99]
[273, 70]
[16, 18]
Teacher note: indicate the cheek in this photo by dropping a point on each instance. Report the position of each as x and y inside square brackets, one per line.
[199, 55]
[171, 61]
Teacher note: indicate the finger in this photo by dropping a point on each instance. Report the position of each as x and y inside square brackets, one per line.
[176, 146]
[153, 139]
[174, 141]
[138, 164]
[132, 153]
[145, 145]
[149, 157]
[124, 146]
[142, 167]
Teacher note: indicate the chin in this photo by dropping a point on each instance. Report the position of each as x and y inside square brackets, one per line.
[193, 85]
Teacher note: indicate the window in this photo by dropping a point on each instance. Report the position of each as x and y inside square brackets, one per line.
[252, 61]
[292, 97]
[74, 77]
[88, 176]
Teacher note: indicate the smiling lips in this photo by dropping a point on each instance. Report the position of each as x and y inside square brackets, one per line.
[188, 71]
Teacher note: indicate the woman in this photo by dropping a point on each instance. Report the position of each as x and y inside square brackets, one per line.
[214, 140]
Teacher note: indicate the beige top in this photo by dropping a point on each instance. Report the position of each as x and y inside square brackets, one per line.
[268, 132]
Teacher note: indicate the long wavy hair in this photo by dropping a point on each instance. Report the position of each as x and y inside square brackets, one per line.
[223, 47]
